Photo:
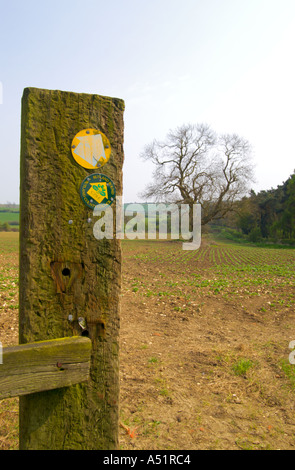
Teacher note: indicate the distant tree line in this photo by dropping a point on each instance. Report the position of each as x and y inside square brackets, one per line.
[7, 227]
[9, 207]
[268, 215]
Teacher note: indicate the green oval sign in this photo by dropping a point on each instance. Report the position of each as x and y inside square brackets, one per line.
[97, 189]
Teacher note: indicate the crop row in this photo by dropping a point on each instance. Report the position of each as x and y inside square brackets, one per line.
[223, 255]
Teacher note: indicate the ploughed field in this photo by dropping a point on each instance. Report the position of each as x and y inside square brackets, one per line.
[204, 345]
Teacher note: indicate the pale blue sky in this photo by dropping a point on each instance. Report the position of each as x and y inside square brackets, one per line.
[229, 63]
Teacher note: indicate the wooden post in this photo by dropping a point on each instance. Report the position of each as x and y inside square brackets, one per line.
[66, 274]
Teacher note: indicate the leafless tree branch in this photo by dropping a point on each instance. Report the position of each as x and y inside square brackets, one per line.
[194, 165]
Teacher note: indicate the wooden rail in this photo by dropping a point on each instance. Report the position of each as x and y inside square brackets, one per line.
[44, 365]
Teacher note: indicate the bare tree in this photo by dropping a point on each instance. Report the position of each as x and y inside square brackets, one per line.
[195, 165]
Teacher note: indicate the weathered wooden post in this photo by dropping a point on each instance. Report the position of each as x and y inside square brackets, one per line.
[70, 281]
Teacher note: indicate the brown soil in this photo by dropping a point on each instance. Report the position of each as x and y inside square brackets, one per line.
[178, 386]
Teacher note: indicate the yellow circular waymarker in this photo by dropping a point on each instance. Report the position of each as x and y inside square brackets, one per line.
[91, 148]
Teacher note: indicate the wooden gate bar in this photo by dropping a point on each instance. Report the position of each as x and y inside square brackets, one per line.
[45, 365]
[66, 274]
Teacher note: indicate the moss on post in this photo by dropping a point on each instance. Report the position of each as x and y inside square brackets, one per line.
[83, 416]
